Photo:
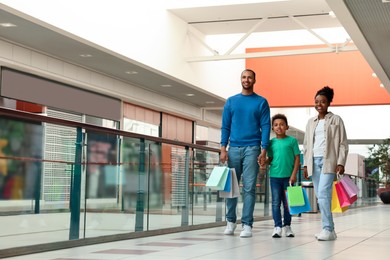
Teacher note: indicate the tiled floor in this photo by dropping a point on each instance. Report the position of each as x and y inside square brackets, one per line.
[363, 233]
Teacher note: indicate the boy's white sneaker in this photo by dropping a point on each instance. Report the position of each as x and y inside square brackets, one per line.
[230, 227]
[277, 232]
[288, 231]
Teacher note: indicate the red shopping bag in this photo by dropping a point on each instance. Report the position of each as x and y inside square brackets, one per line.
[342, 195]
[335, 206]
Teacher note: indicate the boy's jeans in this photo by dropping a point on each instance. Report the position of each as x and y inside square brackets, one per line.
[244, 160]
[278, 191]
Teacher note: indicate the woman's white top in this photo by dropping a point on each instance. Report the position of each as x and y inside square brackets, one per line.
[319, 139]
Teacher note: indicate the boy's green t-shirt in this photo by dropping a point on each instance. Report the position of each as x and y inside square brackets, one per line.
[283, 152]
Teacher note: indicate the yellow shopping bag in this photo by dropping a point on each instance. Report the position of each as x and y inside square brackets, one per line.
[335, 206]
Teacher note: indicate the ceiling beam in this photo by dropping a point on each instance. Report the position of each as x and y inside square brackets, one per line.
[271, 54]
[243, 38]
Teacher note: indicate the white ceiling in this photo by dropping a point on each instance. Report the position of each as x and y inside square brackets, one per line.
[367, 22]
[240, 18]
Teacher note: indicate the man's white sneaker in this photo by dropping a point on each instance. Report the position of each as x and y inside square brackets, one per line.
[246, 231]
[326, 235]
[230, 227]
[277, 232]
[288, 231]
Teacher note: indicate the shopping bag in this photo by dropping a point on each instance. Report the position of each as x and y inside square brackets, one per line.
[300, 209]
[218, 177]
[342, 195]
[349, 186]
[235, 189]
[335, 204]
[295, 196]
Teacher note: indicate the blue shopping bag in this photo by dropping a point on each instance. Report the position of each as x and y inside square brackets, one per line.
[228, 184]
[234, 191]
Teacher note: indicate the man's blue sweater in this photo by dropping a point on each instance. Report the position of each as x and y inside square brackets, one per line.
[246, 121]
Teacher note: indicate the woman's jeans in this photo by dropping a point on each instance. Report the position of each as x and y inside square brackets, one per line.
[278, 191]
[244, 160]
[323, 184]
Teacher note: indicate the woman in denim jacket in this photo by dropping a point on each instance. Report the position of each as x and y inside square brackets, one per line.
[325, 151]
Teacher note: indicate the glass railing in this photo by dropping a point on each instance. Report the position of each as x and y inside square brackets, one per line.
[63, 181]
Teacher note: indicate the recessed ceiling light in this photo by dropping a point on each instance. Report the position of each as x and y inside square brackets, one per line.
[7, 25]
[85, 55]
[381, 85]
[331, 14]
[131, 72]
[210, 102]
[166, 86]
[374, 75]
[190, 95]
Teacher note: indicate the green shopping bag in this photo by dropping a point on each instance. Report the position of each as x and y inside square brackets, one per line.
[218, 177]
[300, 209]
[295, 196]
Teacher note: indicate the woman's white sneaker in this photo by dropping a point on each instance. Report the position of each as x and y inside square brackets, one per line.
[326, 235]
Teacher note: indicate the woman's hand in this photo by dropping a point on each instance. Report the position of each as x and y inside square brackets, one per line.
[340, 169]
[305, 174]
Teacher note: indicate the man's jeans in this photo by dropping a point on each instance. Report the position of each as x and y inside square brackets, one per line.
[323, 184]
[244, 160]
[278, 191]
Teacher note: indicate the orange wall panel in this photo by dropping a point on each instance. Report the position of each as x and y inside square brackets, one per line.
[29, 107]
[292, 81]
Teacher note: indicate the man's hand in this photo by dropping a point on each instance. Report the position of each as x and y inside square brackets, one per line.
[262, 158]
[223, 157]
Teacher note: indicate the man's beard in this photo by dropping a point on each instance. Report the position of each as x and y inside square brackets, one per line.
[247, 87]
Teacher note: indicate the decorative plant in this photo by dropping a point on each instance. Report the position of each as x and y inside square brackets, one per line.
[379, 157]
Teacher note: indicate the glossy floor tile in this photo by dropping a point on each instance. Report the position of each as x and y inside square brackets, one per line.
[363, 233]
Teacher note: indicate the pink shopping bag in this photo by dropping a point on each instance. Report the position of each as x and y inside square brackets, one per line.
[349, 186]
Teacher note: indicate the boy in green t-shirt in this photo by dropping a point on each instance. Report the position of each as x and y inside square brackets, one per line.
[283, 158]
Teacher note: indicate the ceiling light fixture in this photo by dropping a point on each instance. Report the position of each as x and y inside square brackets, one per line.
[7, 25]
[86, 55]
[210, 102]
[166, 86]
[381, 85]
[131, 72]
[190, 95]
[374, 75]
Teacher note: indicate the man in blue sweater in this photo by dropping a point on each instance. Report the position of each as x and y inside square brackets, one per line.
[246, 129]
